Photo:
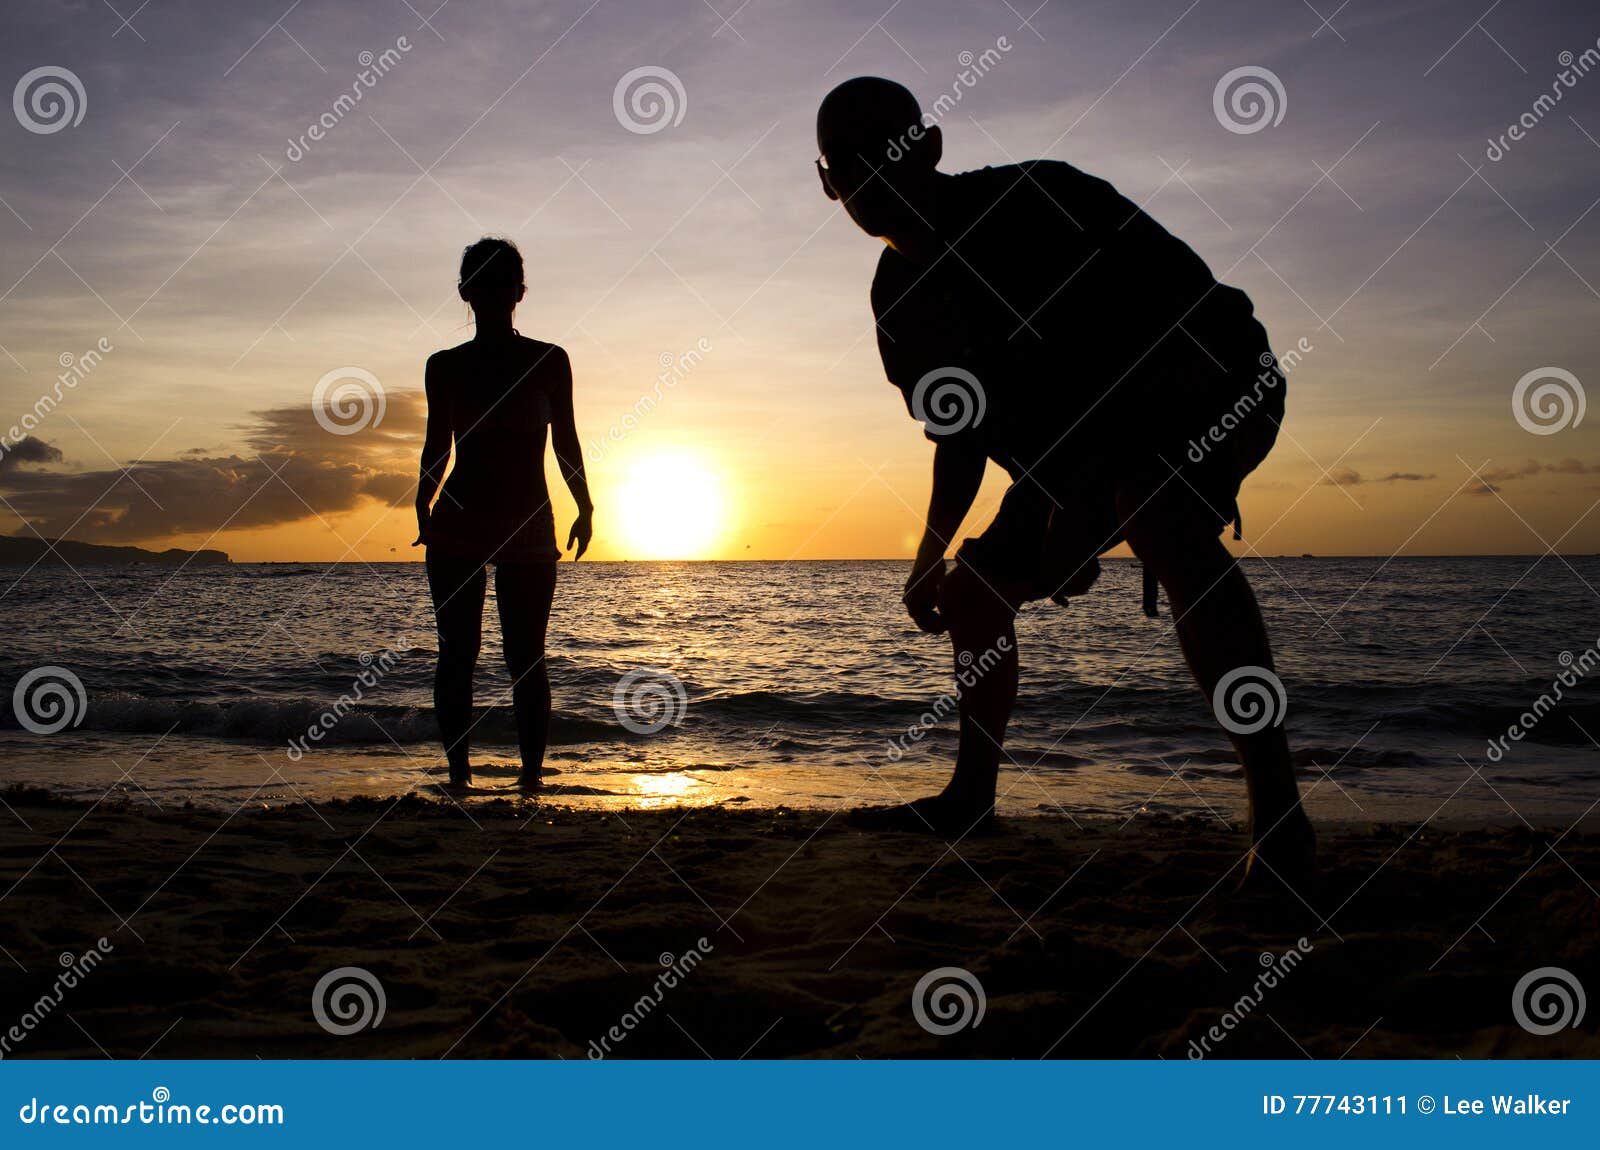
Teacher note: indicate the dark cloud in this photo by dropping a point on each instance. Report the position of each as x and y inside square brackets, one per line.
[1574, 467]
[1350, 477]
[1496, 476]
[294, 470]
[28, 449]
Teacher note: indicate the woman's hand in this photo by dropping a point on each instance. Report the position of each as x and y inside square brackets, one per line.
[424, 516]
[582, 531]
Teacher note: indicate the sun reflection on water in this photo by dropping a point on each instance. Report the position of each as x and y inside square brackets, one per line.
[665, 790]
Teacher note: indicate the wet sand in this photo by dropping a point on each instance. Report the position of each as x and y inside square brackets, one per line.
[514, 929]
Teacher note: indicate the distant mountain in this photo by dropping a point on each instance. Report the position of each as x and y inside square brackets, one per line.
[23, 551]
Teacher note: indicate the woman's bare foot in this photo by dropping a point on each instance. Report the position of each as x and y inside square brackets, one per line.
[530, 782]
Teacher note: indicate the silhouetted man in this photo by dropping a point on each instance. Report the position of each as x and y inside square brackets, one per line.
[1033, 316]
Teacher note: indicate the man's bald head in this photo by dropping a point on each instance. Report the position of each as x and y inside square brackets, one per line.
[878, 158]
[866, 107]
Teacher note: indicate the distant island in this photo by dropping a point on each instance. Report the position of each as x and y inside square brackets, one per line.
[24, 551]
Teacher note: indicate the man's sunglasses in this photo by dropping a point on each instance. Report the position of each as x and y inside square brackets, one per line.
[852, 171]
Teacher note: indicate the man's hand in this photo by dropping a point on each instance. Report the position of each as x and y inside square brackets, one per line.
[582, 531]
[957, 472]
[921, 595]
[424, 516]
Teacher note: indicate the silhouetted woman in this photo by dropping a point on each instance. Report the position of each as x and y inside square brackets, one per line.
[493, 397]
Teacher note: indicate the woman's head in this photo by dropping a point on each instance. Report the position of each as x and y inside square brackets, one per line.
[491, 275]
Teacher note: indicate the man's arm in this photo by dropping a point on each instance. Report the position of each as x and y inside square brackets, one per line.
[958, 467]
[435, 446]
[569, 455]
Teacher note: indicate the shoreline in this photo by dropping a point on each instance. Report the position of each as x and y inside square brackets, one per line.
[1245, 558]
[529, 930]
[553, 802]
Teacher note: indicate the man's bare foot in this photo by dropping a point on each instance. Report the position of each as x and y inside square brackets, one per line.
[1284, 854]
[530, 783]
[945, 815]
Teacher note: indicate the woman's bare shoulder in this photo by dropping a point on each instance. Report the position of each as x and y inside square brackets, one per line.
[542, 353]
[447, 357]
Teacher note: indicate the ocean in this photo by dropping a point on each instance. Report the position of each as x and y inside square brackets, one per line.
[803, 684]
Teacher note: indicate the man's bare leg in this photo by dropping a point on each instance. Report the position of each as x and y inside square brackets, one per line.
[983, 637]
[984, 644]
[1220, 628]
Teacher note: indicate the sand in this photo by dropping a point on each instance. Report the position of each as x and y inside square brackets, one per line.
[510, 929]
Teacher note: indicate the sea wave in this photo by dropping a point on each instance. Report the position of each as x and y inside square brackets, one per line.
[282, 720]
[815, 718]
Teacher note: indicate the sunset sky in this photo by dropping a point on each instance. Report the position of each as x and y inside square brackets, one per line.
[228, 267]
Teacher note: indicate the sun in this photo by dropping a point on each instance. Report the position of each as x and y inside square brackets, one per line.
[670, 506]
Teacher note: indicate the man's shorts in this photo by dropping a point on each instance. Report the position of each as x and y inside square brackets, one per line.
[1055, 521]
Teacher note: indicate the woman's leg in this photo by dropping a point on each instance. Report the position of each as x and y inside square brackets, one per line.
[524, 591]
[457, 586]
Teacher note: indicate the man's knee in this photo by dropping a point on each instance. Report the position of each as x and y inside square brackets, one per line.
[970, 604]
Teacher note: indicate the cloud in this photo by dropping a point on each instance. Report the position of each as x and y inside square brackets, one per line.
[293, 470]
[1350, 477]
[28, 449]
[1574, 467]
[1505, 474]
[1493, 478]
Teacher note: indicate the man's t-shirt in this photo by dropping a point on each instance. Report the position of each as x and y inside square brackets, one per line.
[1093, 332]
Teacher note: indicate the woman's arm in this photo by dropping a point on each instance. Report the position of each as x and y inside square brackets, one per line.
[569, 454]
[435, 446]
